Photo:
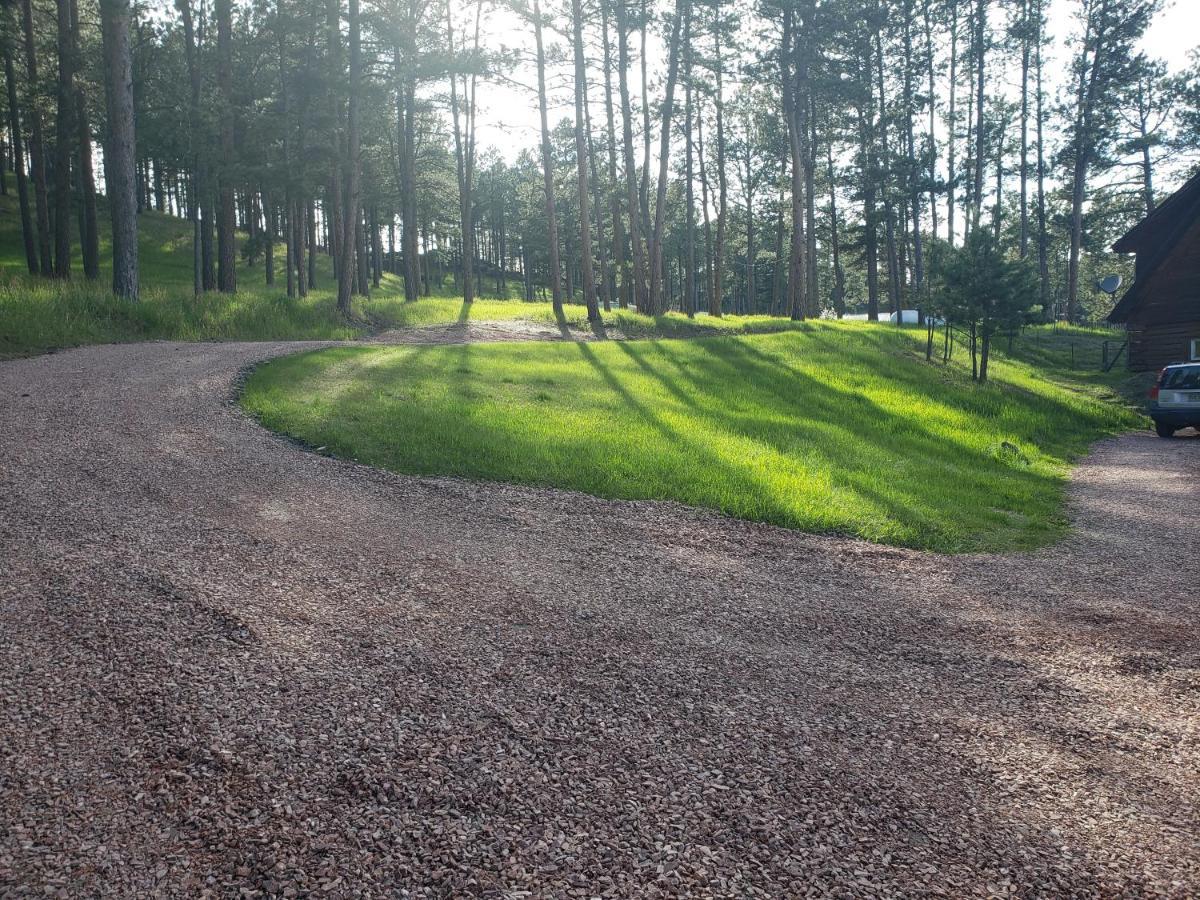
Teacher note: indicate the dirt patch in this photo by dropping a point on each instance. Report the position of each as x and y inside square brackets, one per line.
[490, 332]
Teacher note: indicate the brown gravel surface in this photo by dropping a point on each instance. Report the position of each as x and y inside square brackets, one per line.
[232, 667]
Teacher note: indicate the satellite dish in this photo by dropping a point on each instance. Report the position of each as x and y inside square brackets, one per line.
[1109, 284]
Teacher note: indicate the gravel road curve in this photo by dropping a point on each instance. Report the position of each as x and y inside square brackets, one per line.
[229, 667]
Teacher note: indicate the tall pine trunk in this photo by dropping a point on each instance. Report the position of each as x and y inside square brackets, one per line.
[927, 19]
[285, 129]
[597, 206]
[689, 275]
[751, 299]
[362, 276]
[1023, 241]
[889, 212]
[37, 145]
[407, 99]
[463, 115]
[376, 250]
[310, 219]
[289, 246]
[644, 20]
[581, 156]
[657, 298]
[980, 135]
[620, 263]
[839, 275]
[1081, 150]
[64, 141]
[196, 183]
[704, 208]
[910, 149]
[952, 123]
[28, 235]
[714, 305]
[121, 151]
[794, 67]
[1042, 241]
[779, 277]
[870, 210]
[226, 223]
[640, 297]
[347, 269]
[269, 239]
[89, 234]
[300, 234]
[555, 274]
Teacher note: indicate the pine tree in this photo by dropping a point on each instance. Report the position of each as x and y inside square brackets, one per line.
[120, 153]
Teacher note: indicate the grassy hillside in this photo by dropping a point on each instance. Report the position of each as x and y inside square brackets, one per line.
[831, 427]
[38, 315]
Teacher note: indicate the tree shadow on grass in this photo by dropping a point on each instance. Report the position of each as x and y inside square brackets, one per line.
[1043, 415]
[850, 457]
[676, 439]
[786, 448]
[820, 421]
[824, 435]
[988, 399]
[560, 319]
[598, 329]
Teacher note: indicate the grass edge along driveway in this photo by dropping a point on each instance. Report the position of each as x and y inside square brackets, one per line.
[835, 428]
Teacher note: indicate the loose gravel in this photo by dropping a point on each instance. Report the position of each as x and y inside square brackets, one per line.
[230, 667]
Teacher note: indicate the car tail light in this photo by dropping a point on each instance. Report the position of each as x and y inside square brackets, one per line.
[1157, 381]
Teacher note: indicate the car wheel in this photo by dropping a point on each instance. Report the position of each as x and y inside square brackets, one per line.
[1164, 430]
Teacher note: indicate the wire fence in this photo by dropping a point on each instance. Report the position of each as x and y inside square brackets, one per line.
[1067, 349]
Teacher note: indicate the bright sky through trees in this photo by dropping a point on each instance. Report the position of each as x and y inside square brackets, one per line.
[508, 120]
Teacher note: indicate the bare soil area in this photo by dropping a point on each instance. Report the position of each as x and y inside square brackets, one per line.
[232, 667]
[484, 332]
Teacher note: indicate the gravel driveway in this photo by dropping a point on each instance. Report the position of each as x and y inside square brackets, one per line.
[231, 666]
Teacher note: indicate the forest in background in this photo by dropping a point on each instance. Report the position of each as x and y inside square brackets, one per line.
[791, 158]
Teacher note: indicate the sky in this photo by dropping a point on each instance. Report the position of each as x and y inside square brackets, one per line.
[1174, 33]
[508, 119]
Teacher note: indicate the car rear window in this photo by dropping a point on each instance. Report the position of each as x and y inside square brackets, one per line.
[1182, 378]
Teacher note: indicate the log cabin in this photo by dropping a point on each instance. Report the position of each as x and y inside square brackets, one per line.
[1161, 309]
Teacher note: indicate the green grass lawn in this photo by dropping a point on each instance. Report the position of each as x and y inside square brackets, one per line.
[830, 427]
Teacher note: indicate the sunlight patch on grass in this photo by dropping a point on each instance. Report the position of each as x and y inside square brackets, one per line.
[832, 428]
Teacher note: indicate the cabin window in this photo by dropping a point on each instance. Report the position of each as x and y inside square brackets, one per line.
[1194, 349]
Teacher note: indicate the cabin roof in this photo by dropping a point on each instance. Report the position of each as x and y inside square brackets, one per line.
[1154, 238]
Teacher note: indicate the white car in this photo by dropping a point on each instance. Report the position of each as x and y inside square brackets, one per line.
[1175, 399]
